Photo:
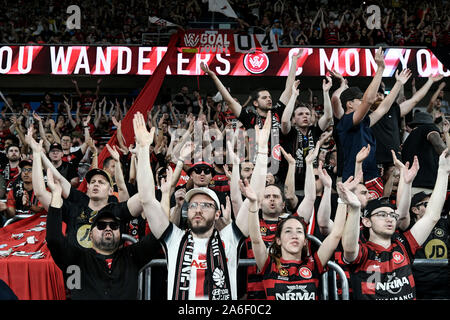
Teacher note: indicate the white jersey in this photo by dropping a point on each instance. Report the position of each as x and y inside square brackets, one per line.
[231, 239]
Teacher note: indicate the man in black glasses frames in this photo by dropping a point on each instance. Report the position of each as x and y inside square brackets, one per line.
[385, 261]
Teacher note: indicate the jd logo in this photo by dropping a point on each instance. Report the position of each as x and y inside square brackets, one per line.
[74, 20]
[435, 249]
[374, 20]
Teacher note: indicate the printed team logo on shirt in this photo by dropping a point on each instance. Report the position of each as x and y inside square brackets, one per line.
[398, 257]
[276, 152]
[283, 272]
[305, 273]
[256, 63]
[263, 230]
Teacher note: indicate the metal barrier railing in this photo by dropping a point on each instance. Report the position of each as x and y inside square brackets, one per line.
[145, 274]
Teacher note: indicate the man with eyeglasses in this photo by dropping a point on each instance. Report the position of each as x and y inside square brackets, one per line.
[21, 198]
[107, 271]
[431, 281]
[200, 174]
[202, 261]
[381, 268]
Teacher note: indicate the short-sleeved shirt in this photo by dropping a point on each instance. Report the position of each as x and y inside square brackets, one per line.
[231, 237]
[78, 217]
[418, 144]
[352, 138]
[380, 273]
[387, 135]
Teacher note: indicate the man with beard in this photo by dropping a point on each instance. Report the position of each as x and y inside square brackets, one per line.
[202, 261]
[382, 267]
[261, 103]
[11, 170]
[107, 271]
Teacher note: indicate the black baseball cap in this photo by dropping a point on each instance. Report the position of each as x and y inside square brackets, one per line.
[55, 146]
[24, 163]
[372, 205]
[104, 212]
[418, 197]
[349, 94]
[96, 171]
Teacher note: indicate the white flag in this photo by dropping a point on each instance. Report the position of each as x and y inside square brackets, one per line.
[222, 6]
[162, 22]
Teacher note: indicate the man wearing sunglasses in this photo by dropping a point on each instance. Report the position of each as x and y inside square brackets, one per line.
[381, 268]
[107, 271]
[431, 281]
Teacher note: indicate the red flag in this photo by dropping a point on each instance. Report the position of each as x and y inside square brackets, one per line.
[143, 103]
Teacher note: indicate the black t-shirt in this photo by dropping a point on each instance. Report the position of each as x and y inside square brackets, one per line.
[67, 170]
[387, 135]
[78, 217]
[299, 145]
[418, 144]
[432, 281]
[109, 277]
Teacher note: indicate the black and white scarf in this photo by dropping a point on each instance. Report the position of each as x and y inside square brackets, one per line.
[217, 280]
[300, 151]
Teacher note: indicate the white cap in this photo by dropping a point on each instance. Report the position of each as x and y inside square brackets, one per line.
[209, 192]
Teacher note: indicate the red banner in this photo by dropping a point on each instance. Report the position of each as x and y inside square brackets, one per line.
[26, 264]
[129, 60]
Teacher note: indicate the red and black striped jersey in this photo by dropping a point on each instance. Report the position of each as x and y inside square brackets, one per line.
[220, 183]
[293, 280]
[380, 273]
[255, 288]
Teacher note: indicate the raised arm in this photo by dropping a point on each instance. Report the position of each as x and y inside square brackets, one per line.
[327, 117]
[350, 237]
[258, 245]
[258, 180]
[118, 174]
[289, 183]
[408, 105]
[370, 94]
[336, 105]
[286, 118]
[422, 228]
[324, 212]
[286, 94]
[233, 104]
[37, 174]
[306, 207]
[329, 245]
[386, 104]
[156, 217]
[430, 106]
